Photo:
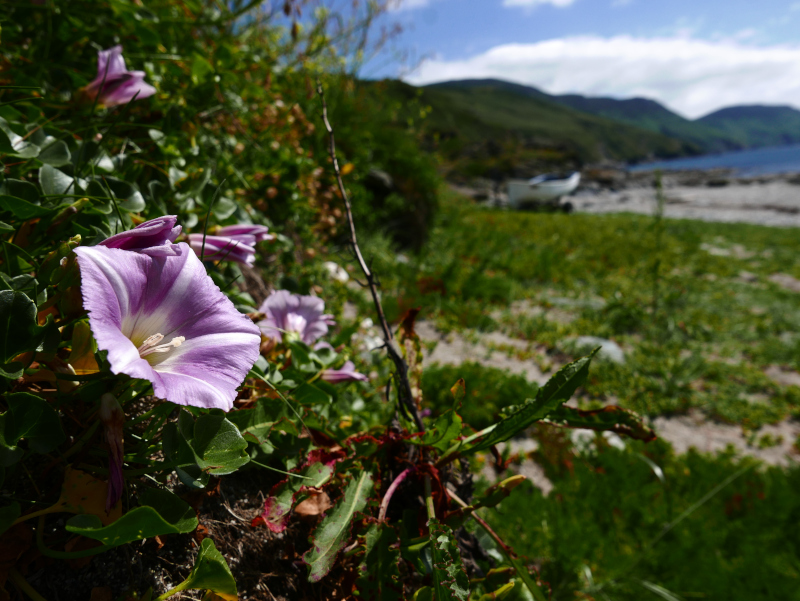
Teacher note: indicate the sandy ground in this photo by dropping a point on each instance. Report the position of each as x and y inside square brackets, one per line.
[774, 203]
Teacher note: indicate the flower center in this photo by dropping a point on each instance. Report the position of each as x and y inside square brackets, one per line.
[151, 345]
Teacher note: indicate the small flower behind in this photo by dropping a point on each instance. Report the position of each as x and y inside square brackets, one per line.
[295, 316]
[114, 84]
[162, 319]
[232, 242]
[347, 373]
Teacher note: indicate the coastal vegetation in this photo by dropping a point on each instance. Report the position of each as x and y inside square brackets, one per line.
[220, 255]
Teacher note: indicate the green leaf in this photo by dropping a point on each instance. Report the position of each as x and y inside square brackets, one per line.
[444, 431]
[55, 182]
[19, 330]
[212, 443]
[22, 208]
[450, 579]
[285, 496]
[611, 418]
[334, 531]
[8, 516]
[161, 512]
[55, 153]
[218, 445]
[309, 394]
[128, 196]
[15, 145]
[210, 572]
[20, 189]
[380, 576]
[33, 419]
[549, 397]
[201, 68]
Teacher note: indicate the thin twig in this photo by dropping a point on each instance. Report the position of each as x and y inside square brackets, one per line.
[404, 394]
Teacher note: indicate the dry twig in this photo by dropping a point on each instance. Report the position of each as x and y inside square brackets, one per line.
[404, 395]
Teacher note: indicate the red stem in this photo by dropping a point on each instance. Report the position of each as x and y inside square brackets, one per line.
[390, 491]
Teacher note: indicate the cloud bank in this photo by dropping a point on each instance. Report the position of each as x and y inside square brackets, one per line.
[691, 76]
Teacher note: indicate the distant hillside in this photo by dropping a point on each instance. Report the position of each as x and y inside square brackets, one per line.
[498, 128]
[650, 115]
[757, 125]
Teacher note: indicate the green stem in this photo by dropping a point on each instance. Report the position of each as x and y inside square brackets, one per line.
[507, 551]
[450, 454]
[24, 586]
[429, 498]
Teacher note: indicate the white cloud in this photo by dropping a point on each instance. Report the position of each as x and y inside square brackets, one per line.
[691, 76]
[532, 3]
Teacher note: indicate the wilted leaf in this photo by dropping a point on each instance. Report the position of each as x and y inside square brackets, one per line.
[82, 493]
[334, 531]
[82, 356]
[284, 495]
[412, 352]
[317, 503]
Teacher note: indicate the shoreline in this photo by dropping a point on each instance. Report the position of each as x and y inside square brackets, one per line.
[706, 195]
[713, 195]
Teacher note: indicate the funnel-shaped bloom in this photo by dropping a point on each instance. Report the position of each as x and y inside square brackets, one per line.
[164, 320]
[113, 418]
[114, 84]
[154, 237]
[231, 243]
[301, 317]
[347, 373]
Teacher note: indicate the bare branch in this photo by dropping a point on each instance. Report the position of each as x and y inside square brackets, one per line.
[404, 394]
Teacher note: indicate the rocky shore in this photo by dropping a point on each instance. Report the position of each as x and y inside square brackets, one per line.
[714, 195]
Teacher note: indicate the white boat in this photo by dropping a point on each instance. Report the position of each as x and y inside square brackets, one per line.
[542, 189]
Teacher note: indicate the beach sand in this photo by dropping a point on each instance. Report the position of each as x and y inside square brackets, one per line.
[773, 201]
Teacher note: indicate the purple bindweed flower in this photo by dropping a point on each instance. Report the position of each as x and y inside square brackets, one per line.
[162, 319]
[300, 317]
[347, 373]
[232, 242]
[155, 237]
[114, 84]
[112, 416]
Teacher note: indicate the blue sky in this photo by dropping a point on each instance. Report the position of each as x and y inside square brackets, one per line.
[695, 56]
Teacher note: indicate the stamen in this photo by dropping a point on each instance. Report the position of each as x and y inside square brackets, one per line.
[154, 339]
[147, 347]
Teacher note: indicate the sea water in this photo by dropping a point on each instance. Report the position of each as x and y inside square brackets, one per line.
[745, 163]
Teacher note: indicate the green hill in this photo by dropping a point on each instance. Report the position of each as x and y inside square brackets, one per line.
[493, 128]
[757, 125]
[650, 115]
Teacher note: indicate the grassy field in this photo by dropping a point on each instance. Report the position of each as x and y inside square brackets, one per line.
[700, 309]
[701, 316]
